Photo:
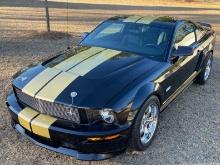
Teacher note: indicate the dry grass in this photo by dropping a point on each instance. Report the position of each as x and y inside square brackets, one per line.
[84, 15]
[186, 3]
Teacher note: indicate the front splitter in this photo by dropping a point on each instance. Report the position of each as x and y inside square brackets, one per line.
[67, 151]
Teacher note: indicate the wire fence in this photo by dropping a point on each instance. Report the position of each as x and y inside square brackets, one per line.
[22, 20]
[29, 15]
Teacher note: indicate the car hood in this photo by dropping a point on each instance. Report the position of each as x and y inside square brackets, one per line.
[85, 77]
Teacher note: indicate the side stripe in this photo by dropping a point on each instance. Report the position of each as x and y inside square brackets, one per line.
[56, 86]
[93, 62]
[132, 19]
[75, 59]
[25, 117]
[179, 90]
[40, 125]
[39, 81]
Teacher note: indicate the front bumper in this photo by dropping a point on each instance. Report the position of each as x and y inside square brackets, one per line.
[74, 140]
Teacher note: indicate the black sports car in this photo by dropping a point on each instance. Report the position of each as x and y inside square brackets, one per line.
[93, 101]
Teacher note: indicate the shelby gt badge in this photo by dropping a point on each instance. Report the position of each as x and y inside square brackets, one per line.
[123, 71]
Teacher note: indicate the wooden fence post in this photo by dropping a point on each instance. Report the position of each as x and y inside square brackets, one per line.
[47, 16]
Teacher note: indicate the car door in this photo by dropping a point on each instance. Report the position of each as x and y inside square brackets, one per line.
[186, 36]
[181, 68]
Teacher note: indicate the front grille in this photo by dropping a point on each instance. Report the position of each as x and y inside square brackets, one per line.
[49, 108]
[77, 115]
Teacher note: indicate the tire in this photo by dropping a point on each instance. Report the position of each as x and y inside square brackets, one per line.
[202, 78]
[13, 123]
[137, 141]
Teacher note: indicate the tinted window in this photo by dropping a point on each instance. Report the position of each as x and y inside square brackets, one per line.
[150, 40]
[185, 35]
[112, 29]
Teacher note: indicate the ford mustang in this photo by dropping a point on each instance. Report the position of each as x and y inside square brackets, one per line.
[94, 100]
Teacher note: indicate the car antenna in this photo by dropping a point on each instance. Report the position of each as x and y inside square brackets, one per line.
[67, 24]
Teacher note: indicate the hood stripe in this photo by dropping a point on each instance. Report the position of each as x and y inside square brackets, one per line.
[147, 20]
[89, 64]
[132, 19]
[39, 81]
[56, 86]
[76, 59]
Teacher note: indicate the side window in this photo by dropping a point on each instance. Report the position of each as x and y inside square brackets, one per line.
[185, 35]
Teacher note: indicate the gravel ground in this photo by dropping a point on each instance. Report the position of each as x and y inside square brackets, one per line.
[189, 130]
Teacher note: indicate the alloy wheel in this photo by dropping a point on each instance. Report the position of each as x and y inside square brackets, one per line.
[149, 123]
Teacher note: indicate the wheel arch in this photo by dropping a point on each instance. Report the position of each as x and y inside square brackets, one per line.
[144, 93]
[207, 56]
[202, 58]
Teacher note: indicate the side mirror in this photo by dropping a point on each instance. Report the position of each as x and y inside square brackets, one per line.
[183, 51]
[84, 35]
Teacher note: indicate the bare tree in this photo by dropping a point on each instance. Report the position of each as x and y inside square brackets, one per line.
[47, 16]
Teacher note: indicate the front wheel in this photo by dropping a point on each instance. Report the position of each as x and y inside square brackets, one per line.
[145, 124]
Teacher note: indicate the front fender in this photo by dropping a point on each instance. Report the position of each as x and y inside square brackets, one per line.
[144, 93]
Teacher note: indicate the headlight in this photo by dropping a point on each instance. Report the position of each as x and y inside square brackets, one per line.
[107, 115]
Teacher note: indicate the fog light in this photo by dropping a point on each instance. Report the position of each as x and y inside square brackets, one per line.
[107, 115]
[103, 138]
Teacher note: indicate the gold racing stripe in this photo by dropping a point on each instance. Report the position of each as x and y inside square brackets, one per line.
[147, 20]
[56, 86]
[25, 116]
[93, 62]
[53, 89]
[40, 125]
[39, 81]
[73, 60]
[45, 76]
[132, 19]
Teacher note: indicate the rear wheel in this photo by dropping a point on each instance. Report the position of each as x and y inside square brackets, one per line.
[206, 70]
[145, 124]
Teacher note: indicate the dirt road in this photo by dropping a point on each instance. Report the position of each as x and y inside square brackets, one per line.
[189, 130]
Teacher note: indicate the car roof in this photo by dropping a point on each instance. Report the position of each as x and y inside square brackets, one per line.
[167, 20]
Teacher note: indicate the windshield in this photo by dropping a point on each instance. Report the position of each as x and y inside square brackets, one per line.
[150, 40]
